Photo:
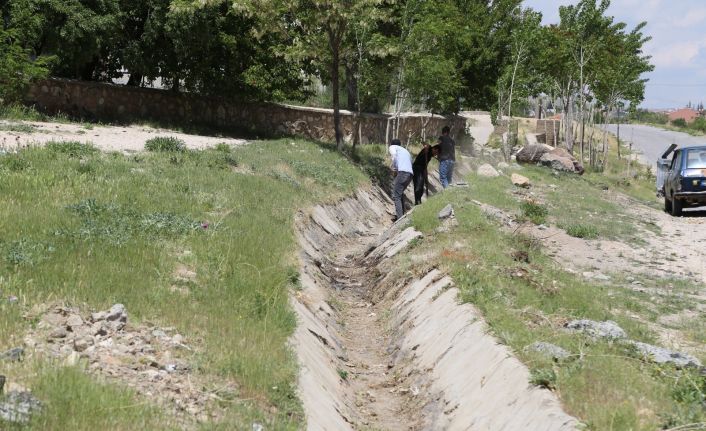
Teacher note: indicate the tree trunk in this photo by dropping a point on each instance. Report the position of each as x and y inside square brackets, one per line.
[619, 157]
[334, 41]
[351, 86]
[135, 80]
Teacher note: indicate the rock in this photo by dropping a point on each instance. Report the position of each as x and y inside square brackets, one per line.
[178, 339]
[596, 276]
[74, 321]
[487, 170]
[54, 319]
[97, 317]
[556, 158]
[520, 181]
[59, 332]
[13, 355]
[550, 350]
[661, 355]
[99, 329]
[18, 407]
[607, 329]
[447, 212]
[503, 165]
[558, 163]
[72, 359]
[117, 313]
[80, 344]
[158, 333]
[13, 299]
[257, 427]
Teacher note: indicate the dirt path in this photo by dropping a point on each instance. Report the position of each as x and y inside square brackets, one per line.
[107, 138]
[380, 403]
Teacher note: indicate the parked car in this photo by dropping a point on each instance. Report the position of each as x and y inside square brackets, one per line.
[681, 178]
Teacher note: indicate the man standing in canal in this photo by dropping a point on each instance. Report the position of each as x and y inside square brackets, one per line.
[447, 157]
[402, 169]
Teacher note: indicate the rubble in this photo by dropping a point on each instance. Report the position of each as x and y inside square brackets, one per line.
[149, 359]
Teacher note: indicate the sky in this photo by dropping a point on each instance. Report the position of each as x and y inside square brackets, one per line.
[678, 45]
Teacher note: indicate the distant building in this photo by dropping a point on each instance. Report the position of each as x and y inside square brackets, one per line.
[688, 114]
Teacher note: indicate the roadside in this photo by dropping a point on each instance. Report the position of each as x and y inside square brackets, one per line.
[650, 142]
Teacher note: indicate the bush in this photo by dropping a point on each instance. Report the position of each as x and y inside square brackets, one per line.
[582, 231]
[679, 122]
[534, 212]
[165, 144]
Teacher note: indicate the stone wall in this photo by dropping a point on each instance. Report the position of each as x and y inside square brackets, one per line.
[548, 132]
[116, 103]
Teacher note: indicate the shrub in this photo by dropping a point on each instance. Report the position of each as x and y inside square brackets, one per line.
[582, 231]
[679, 122]
[534, 212]
[165, 144]
[72, 148]
[14, 163]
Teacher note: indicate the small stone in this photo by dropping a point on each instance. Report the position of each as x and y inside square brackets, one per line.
[117, 313]
[80, 344]
[54, 319]
[13, 299]
[447, 212]
[158, 333]
[99, 329]
[257, 427]
[13, 355]
[74, 321]
[178, 339]
[487, 170]
[97, 317]
[72, 359]
[503, 165]
[59, 332]
[520, 181]
[170, 368]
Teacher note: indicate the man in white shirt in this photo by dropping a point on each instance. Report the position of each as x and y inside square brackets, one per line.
[402, 169]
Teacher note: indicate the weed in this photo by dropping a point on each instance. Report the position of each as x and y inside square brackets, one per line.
[26, 252]
[343, 374]
[165, 144]
[544, 378]
[19, 128]
[534, 212]
[15, 163]
[223, 147]
[72, 148]
[582, 231]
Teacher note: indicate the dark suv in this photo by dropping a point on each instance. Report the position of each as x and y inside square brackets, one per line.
[682, 178]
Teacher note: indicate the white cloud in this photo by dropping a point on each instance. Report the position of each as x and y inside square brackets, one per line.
[690, 19]
[680, 54]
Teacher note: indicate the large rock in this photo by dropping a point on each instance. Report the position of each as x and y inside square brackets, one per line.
[661, 355]
[446, 212]
[487, 170]
[556, 158]
[550, 350]
[607, 329]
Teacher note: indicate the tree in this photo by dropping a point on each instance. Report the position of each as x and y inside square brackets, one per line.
[18, 67]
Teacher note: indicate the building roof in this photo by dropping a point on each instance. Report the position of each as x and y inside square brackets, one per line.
[687, 114]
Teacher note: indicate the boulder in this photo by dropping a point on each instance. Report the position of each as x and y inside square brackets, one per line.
[503, 165]
[487, 170]
[558, 159]
[607, 329]
[520, 181]
[13, 355]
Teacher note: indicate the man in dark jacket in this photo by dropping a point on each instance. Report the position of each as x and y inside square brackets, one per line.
[420, 176]
[447, 157]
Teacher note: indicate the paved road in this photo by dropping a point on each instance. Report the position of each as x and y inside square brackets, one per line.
[652, 141]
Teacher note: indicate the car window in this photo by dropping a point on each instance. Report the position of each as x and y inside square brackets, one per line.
[696, 159]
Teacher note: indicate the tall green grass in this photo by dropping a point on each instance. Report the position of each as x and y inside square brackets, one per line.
[110, 228]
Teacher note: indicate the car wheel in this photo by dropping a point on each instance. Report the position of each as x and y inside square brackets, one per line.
[677, 207]
[667, 205]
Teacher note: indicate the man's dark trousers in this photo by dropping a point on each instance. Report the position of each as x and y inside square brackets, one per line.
[401, 182]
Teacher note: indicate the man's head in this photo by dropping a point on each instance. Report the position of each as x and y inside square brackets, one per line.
[446, 130]
[435, 150]
[396, 142]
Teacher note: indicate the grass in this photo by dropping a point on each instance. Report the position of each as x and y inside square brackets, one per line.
[166, 144]
[605, 384]
[93, 228]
